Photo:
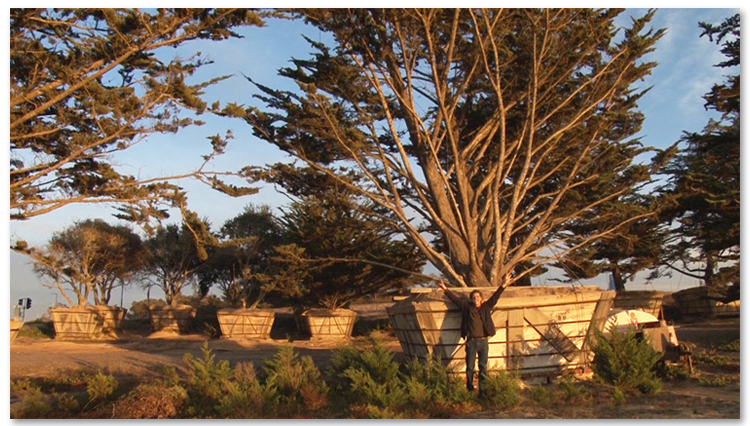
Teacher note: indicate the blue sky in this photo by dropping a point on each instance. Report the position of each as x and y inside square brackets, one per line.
[673, 105]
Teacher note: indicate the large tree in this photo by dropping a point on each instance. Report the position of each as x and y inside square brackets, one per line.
[244, 246]
[704, 179]
[90, 257]
[483, 131]
[335, 248]
[87, 83]
[633, 248]
[176, 253]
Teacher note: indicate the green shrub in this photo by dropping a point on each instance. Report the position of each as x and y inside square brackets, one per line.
[540, 395]
[365, 374]
[618, 397]
[206, 382]
[68, 404]
[35, 405]
[730, 346]
[100, 386]
[151, 400]
[715, 382]
[428, 382]
[501, 390]
[296, 381]
[571, 391]
[625, 361]
[41, 331]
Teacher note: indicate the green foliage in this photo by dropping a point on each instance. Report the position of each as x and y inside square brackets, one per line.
[502, 390]
[175, 255]
[714, 382]
[429, 384]
[88, 258]
[100, 386]
[571, 391]
[625, 361]
[205, 381]
[297, 382]
[540, 395]
[703, 184]
[86, 94]
[337, 248]
[367, 373]
[34, 405]
[618, 397]
[733, 346]
[68, 404]
[35, 332]
[465, 153]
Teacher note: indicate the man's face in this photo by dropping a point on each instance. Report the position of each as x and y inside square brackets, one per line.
[476, 298]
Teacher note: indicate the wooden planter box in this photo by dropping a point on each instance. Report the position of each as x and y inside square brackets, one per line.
[15, 327]
[646, 301]
[326, 323]
[541, 331]
[77, 323]
[699, 302]
[246, 323]
[112, 317]
[178, 319]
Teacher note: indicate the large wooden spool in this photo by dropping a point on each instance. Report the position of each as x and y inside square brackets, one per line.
[177, 319]
[77, 323]
[330, 324]
[540, 331]
[640, 300]
[245, 323]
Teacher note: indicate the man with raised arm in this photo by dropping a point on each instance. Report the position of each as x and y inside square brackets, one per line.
[476, 327]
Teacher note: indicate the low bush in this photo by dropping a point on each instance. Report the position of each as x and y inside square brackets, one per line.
[571, 392]
[540, 395]
[37, 331]
[501, 390]
[365, 373]
[297, 383]
[100, 386]
[626, 361]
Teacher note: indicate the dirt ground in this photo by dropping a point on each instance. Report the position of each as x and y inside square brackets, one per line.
[138, 355]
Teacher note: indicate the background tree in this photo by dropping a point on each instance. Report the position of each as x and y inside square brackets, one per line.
[87, 83]
[704, 181]
[88, 258]
[633, 248]
[175, 256]
[334, 250]
[245, 245]
[492, 129]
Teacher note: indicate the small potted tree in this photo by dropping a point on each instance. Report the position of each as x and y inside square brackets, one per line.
[175, 255]
[247, 240]
[337, 250]
[87, 260]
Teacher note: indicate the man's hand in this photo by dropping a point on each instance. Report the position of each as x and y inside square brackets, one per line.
[441, 284]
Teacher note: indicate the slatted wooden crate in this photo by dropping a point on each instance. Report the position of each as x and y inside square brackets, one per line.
[76, 323]
[15, 327]
[539, 330]
[642, 300]
[325, 323]
[177, 319]
[700, 302]
[245, 323]
[112, 317]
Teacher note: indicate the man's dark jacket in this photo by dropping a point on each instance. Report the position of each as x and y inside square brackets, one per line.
[485, 311]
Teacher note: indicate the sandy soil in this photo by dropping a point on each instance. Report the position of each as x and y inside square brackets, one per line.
[135, 356]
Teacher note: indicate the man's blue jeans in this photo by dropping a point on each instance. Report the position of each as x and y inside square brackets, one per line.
[474, 348]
